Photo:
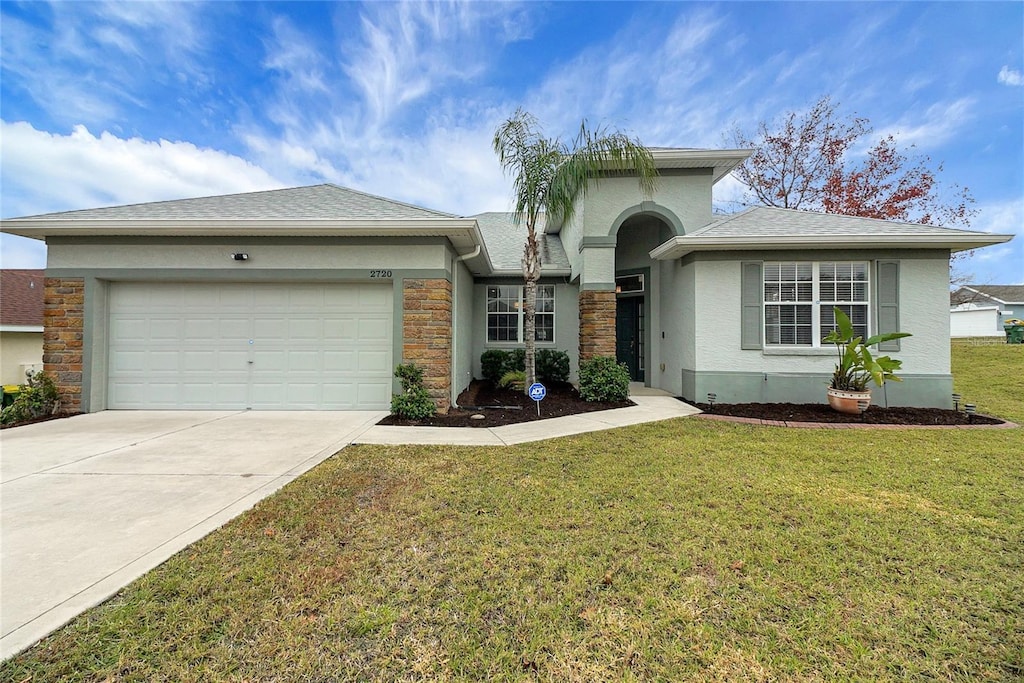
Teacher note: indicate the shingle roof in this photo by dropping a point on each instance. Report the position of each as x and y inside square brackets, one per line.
[1007, 294]
[504, 238]
[763, 221]
[298, 203]
[21, 297]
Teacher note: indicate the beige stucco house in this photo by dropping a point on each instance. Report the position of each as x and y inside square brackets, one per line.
[307, 298]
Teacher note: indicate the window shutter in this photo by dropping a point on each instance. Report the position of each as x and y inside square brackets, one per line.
[888, 297]
[752, 309]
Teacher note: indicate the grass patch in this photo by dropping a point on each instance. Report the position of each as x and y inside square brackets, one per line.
[682, 550]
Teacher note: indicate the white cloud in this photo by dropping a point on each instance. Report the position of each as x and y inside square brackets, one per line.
[44, 172]
[408, 50]
[932, 128]
[1000, 264]
[1008, 76]
[93, 59]
[21, 252]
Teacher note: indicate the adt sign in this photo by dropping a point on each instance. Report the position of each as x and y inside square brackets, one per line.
[537, 392]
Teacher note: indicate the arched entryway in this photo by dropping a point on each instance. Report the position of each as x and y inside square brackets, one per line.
[635, 284]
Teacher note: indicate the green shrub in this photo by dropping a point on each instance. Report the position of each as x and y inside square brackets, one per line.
[492, 365]
[602, 379]
[495, 363]
[37, 398]
[409, 375]
[514, 379]
[552, 365]
[414, 403]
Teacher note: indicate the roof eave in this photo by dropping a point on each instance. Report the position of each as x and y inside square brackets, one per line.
[228, 227]
[723, 161]
[681, 246]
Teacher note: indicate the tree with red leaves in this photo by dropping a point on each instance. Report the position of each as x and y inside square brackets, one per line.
[805, 161]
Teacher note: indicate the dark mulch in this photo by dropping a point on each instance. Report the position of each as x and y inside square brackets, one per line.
[821, 412]
[44, 418]
[505, 406]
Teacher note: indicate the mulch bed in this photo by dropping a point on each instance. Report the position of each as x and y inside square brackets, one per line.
[820, 412]
[506, 406]
[44, 418]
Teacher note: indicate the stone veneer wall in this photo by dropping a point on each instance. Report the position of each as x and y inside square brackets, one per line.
[427, 334]
[62, 337]
[597, 324]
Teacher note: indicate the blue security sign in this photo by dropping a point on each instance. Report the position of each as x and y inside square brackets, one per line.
[537, 391]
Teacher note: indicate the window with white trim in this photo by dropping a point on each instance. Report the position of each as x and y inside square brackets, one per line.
[799, 297]
[505, 313]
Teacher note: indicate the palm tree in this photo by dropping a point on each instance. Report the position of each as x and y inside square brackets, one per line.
[549, 177]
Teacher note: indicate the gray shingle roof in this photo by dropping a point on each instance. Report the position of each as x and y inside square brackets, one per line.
[1009, 294]
[763, 221]
[298, 203]
[505, 238]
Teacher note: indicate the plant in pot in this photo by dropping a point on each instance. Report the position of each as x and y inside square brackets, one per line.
[857, 365]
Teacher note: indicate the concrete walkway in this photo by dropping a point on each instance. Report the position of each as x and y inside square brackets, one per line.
[90, 503]
[651, 406]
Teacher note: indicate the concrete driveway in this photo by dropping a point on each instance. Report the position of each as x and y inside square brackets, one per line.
[89, 503]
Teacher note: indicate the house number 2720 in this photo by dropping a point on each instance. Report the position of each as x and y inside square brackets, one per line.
[380, 273]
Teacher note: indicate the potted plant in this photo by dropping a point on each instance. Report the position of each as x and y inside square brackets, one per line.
[857, 366]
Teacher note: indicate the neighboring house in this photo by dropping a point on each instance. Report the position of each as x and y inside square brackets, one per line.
[21, 324]
[981, 310]
[307, 298]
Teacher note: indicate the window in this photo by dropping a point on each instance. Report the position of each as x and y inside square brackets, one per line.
[505, 313]
[799, 297]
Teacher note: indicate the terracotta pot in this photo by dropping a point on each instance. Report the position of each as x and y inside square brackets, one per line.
[846, 401]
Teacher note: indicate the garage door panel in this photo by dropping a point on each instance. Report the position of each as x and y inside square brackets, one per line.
[376, 328]
[199, 361]
[374, 297]
[233, 346]
[340, 361]
[374, 362]
[376, 394]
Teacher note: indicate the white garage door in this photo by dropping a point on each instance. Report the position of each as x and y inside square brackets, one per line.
[259, 346]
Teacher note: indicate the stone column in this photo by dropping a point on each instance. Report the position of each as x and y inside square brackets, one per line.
[63, 302]
[597, 324]
[427, 334]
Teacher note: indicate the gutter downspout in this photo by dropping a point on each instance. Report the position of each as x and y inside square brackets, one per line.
[455, 308]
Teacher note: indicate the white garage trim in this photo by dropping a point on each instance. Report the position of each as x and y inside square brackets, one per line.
[264, 346]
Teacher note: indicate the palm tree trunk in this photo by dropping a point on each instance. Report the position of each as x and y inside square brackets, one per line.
[531, 275]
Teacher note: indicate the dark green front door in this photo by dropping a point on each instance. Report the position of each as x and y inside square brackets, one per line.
[629, 335]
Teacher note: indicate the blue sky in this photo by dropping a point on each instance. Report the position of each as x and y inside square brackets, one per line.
[115, 103]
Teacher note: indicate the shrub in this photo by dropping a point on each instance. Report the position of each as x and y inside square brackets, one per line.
[409, 375]
[37, 398]
[414, 403]
[495, 363]
[492, 365]
[514, 379]
[602, 379]
[552, 365]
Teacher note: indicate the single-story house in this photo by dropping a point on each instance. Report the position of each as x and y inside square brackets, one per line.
[981, 310]
[21, 324]
[307, 298]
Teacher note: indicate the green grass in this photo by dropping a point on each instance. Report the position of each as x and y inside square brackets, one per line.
[682, 550]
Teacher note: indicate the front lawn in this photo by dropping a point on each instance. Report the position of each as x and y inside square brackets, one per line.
[682, 550]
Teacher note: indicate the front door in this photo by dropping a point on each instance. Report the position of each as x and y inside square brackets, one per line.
[629, 335]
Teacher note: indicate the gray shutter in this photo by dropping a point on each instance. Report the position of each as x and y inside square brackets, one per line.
[752, 309]
[887, 294]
